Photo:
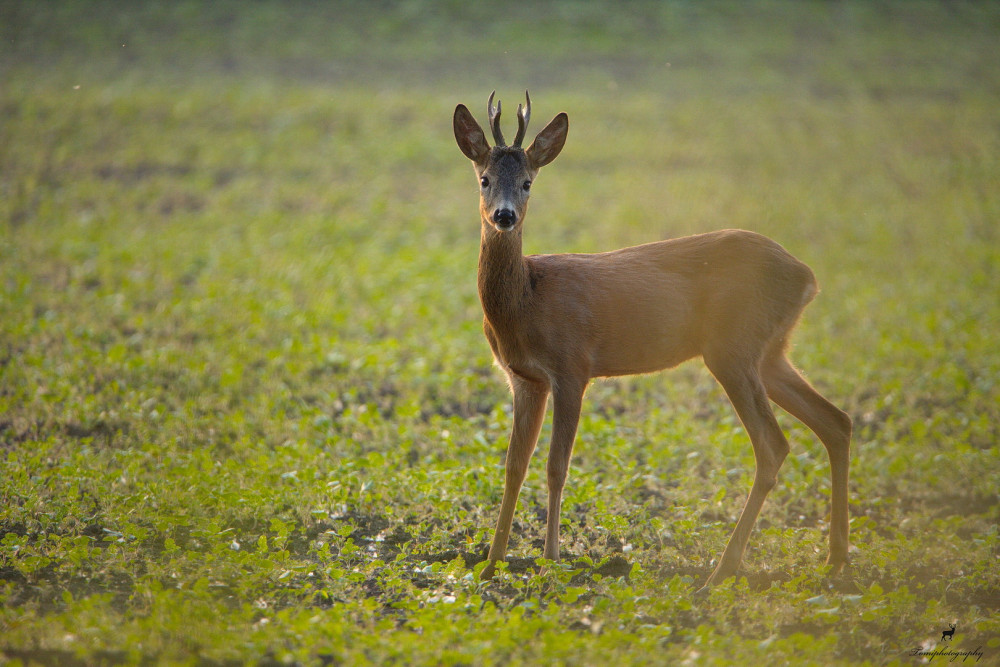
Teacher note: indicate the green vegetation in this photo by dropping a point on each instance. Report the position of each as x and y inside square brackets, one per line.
[247, 414]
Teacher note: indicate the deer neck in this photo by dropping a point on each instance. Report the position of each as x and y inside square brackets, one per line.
[504, 284]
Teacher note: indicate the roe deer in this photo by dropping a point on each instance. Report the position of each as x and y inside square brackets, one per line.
[556, 321]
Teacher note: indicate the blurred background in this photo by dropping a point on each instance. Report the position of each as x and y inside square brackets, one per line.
[241, 345]
[305, 149]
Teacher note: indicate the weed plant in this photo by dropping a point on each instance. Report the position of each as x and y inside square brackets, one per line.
[247, 414]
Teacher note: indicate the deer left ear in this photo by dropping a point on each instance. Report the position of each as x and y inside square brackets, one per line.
[549, 142]
[470, 137]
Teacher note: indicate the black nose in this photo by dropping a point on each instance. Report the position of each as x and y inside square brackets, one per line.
[504, 218]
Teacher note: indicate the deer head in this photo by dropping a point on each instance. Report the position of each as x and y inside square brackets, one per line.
[506, 172]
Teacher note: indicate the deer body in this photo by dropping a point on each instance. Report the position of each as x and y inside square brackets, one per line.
[554, 322]
[591, 312]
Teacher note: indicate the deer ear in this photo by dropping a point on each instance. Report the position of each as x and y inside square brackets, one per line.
[549, 142]
[469, 135]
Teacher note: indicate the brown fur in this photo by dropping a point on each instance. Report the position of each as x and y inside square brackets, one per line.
[554, 322]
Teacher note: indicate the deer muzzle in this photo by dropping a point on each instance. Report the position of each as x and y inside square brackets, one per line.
[504, 219]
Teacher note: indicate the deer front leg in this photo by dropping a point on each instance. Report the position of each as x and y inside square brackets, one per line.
[566, 416]
[529, 411]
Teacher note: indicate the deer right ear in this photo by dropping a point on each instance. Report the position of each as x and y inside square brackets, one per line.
[469, 136]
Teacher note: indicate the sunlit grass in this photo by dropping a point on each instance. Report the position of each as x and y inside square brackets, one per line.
[246, 409]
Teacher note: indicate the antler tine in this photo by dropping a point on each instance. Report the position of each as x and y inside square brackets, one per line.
[494, 114]
[522, 119]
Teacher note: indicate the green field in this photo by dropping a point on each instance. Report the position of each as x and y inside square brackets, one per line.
[247, 413]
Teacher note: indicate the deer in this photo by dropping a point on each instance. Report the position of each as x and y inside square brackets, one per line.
[554, 322]
[948, 634]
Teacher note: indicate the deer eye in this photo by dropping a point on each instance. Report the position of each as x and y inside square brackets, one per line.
[526, 186]
[485, 182]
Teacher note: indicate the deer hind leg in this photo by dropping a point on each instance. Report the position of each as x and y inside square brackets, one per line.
[566, 415]
[529, 412]
[745, 389]
[833, 427]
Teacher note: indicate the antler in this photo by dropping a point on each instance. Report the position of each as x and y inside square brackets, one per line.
[494, 113]
[522, 119]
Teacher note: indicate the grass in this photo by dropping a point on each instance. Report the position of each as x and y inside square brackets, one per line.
[247, 414]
